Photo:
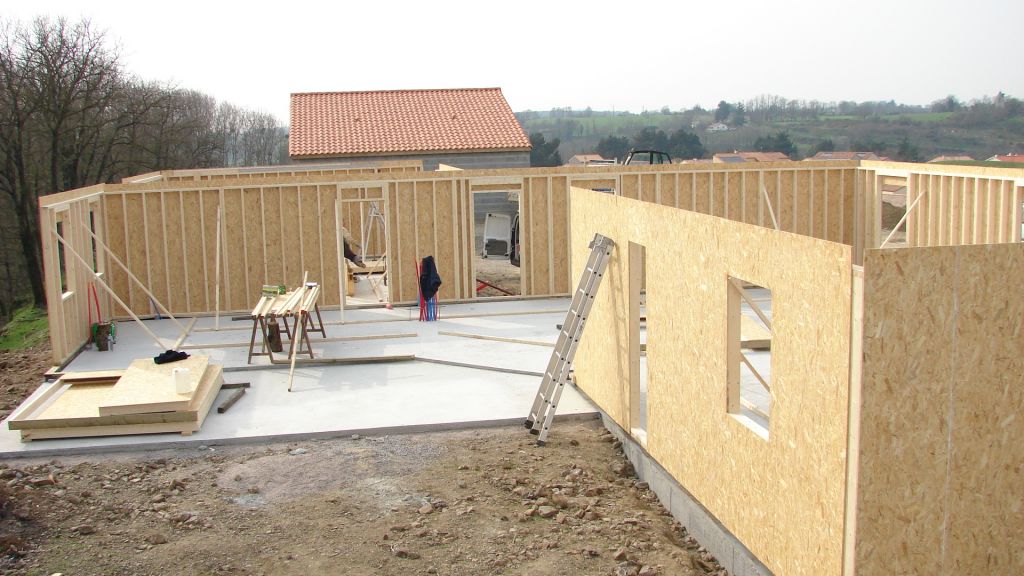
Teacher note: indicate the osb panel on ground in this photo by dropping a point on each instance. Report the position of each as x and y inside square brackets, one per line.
[942, 439]
[785, 496]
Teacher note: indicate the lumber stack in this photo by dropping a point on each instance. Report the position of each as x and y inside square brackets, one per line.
[141, 399]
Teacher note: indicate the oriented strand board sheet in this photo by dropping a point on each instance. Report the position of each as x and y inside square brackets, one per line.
[69, 408]
[149, 387]
[942, 438]
[784, 497]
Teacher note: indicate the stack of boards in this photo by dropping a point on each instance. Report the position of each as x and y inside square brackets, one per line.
[139, 400]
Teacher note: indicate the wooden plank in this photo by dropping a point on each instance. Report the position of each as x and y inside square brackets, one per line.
[495, 338]
[235, 397]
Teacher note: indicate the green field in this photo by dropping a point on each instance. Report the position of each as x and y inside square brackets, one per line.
[27, 329]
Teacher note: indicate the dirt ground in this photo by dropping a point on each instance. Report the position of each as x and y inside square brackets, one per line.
[500, 272]
[486, 501]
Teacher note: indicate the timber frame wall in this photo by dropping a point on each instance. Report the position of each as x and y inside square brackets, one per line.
[895, 443]
[895, 440]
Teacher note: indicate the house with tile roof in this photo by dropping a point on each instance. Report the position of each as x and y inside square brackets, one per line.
[951, 158]
[467, 128]
[846, 155]
[736, 157]
[589, 160]
[1018, 158]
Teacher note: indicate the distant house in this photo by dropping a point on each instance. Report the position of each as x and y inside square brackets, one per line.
[589, 160]
[717, 127]
[737, 157]
[1006, 158]
[467, 128]
[846, 156]
[950, 159]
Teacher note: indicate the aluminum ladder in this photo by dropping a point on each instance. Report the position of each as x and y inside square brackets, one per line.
[542, 414]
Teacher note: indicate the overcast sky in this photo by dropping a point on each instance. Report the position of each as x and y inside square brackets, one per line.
[621, 55]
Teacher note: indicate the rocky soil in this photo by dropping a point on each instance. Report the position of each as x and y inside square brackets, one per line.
[470, 502]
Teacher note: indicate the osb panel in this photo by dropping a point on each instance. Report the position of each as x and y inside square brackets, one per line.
[326, 196]
[702, 192]
[405, 240]
[210, 201]
[986, 519]
[941, 434]
[793, 483]
[649, 188]
[538, 226]
[630, 187]
[157, 257]
[907, 363]
[446, 253]
[819, 204]
[309, 226]
[849, 195]
[753, 199]
[835, 210]
[719, 201]
[272, 231]
[255, 246]
[113, 215]
[771, 188]
[290, 241]
[136, 253]
[193, 258]
[786, 205]
[733, 201]
[391, 215]
[176, 253]
[560, 236]
[234, 255]
[425, 232]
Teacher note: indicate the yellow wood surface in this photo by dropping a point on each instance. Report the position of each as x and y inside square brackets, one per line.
[795, 481]
[149, 387]
[942, 438]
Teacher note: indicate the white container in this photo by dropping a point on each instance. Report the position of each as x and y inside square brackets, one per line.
[181, 381]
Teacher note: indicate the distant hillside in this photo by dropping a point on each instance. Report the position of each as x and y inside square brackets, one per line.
[979, 129]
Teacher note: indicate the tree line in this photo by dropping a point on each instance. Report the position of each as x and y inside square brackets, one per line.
[72, 116]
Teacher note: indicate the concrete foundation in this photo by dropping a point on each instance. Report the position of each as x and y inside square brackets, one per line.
[700, 523]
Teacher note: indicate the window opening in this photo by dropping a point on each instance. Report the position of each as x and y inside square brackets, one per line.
[638, 394]
[750, 354]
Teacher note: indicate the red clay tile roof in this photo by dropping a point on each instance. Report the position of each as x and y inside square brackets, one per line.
[402, 121]
[751, 156]
[945, 158]
[845, 155]
[1007, 158]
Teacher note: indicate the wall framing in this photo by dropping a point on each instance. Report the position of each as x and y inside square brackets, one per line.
[687, 369]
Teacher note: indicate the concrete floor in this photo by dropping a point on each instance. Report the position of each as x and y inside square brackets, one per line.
[361, 398]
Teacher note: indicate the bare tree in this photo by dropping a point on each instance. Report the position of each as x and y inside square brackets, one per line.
[70, 117]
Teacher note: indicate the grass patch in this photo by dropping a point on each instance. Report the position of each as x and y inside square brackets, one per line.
[28, 328]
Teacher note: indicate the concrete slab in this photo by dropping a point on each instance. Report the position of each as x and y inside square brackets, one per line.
[346, 399]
